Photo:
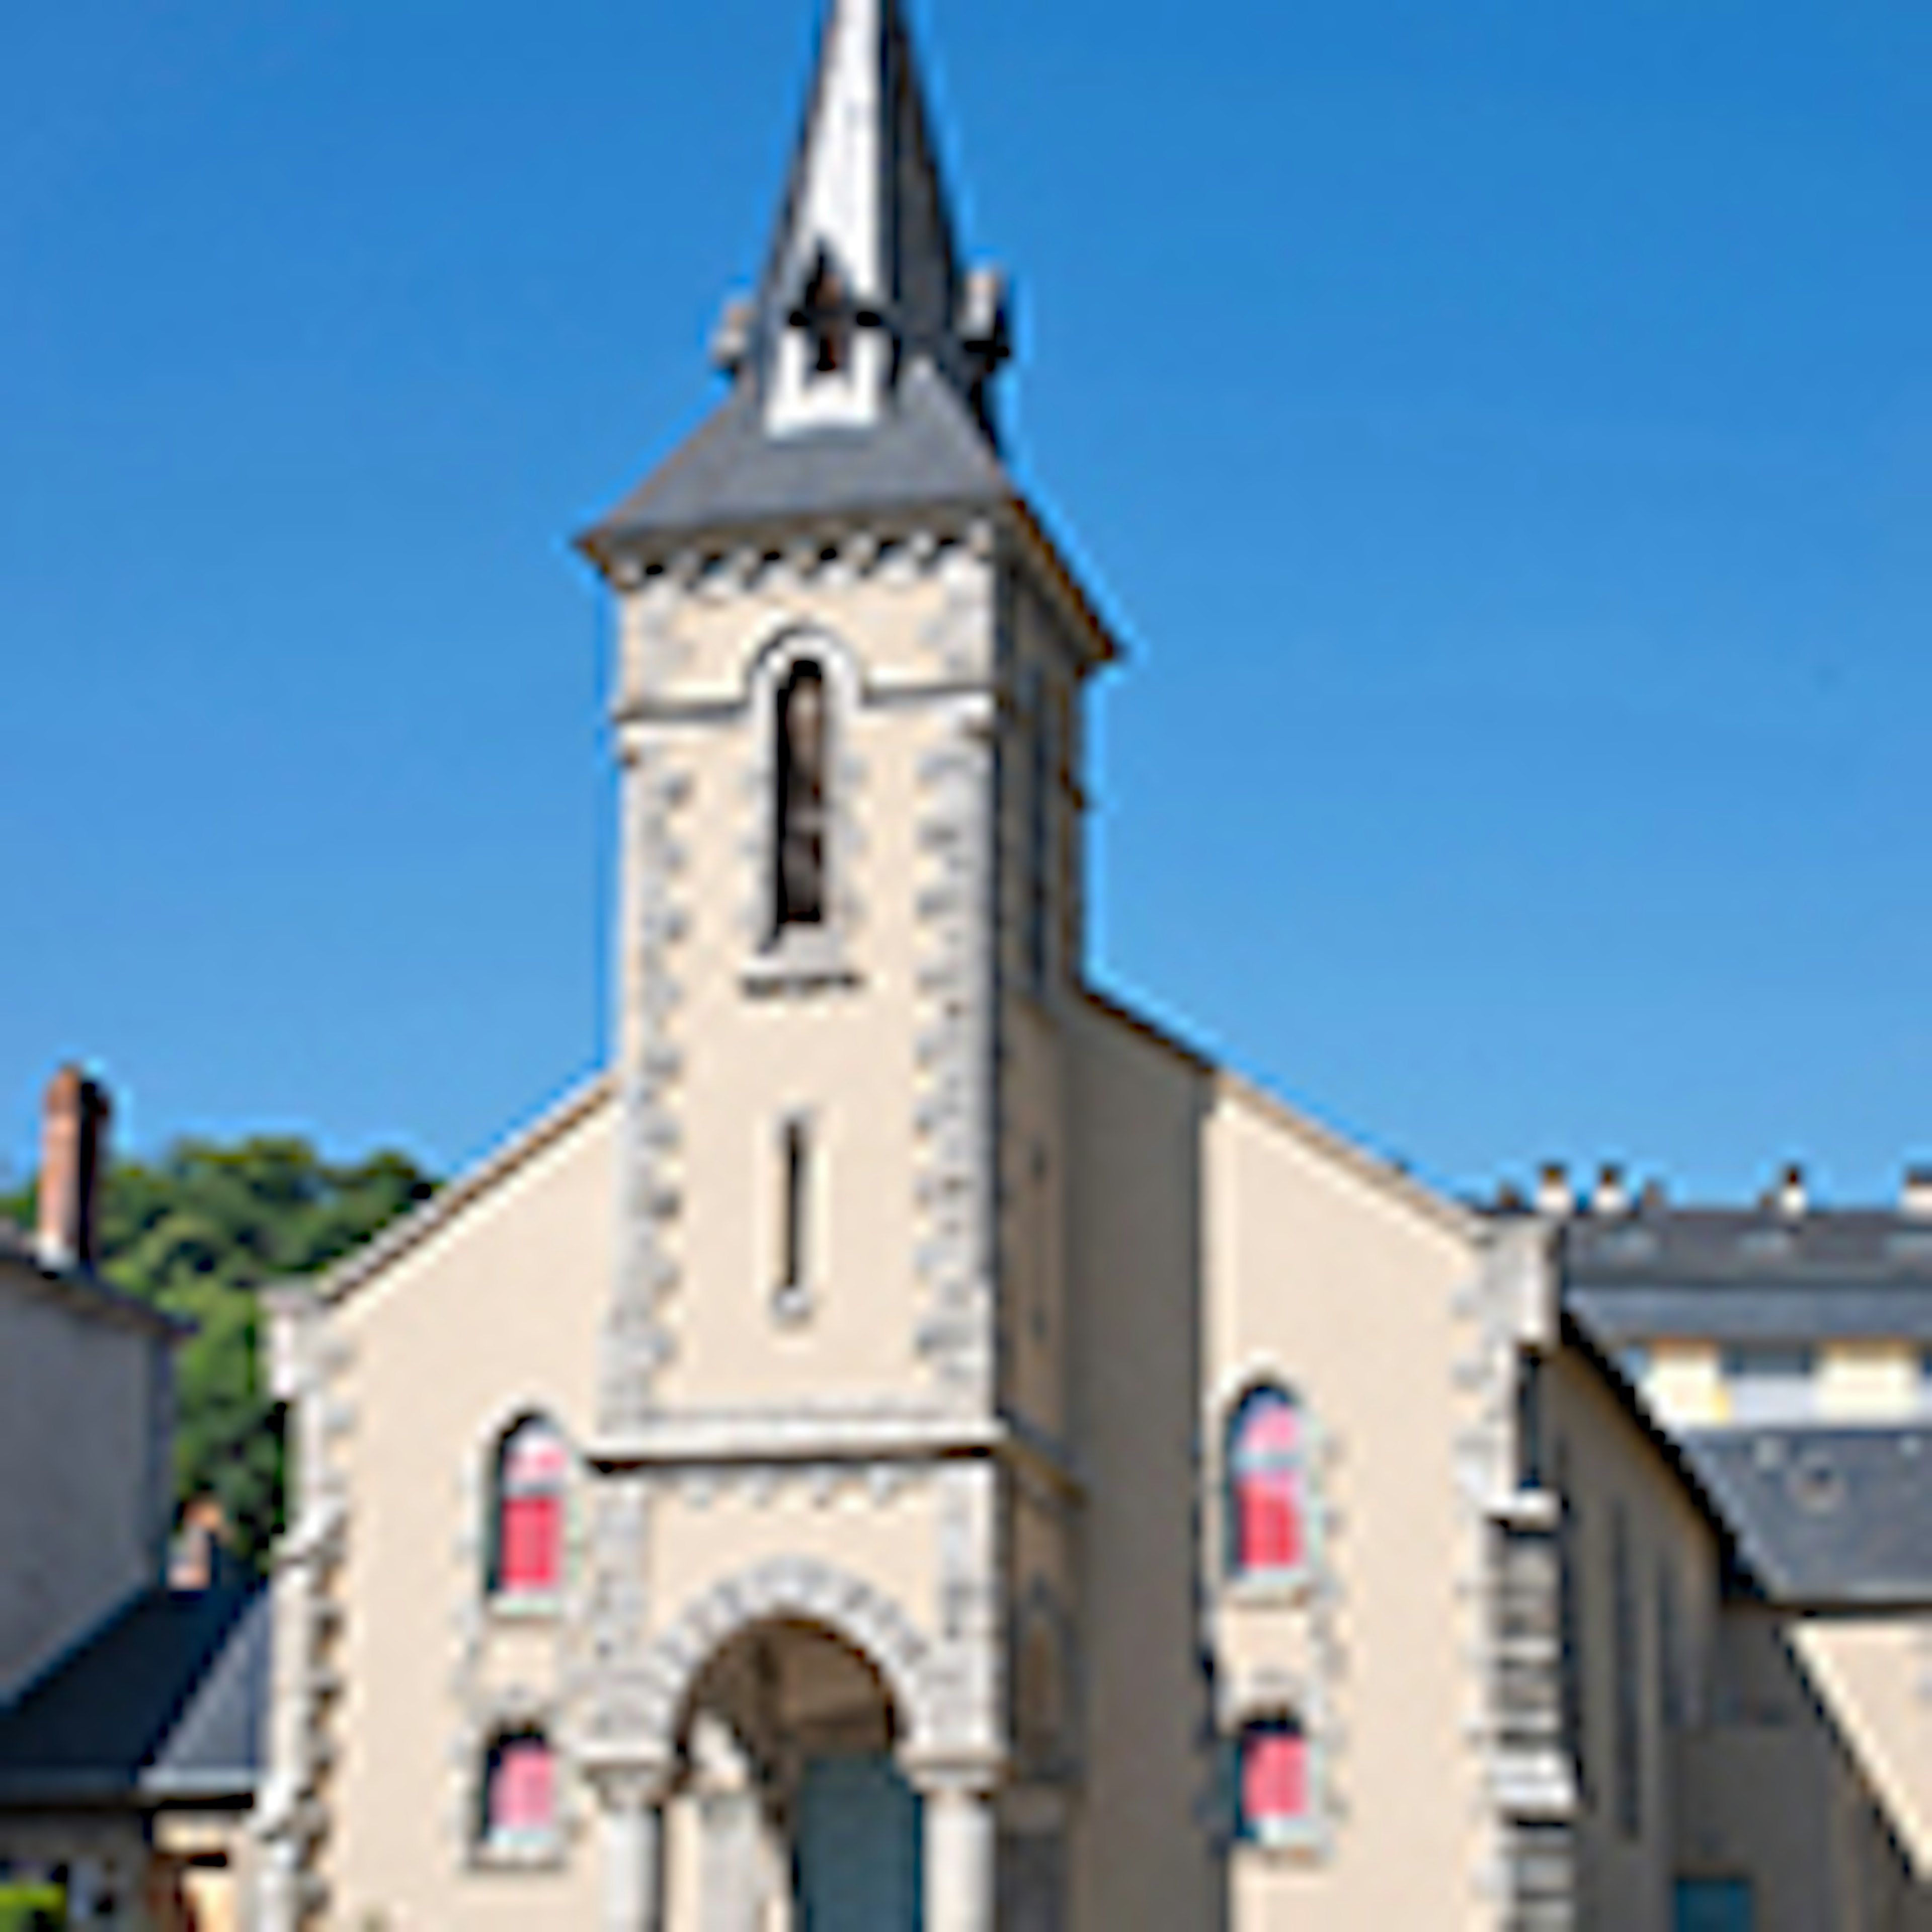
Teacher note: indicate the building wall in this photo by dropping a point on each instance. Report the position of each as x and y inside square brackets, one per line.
[1876, 1380]
[1715, 1738]
[1871, 1673]
[84, 1509]
[1218, 1241]
[1143, 1849]
[1643, 1584]
[1775, 1789]
[495, 1317]
[1322, 1273]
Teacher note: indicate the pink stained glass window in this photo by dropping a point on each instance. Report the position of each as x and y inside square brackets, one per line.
[1268, 1534]
[530, 1512]
[521, 1803]
[1274, 1779]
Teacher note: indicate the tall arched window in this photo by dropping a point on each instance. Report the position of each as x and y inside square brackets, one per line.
[526, 1553]
[519, 1808]
[1266, 1503]
[798, 844]
[1274, 1799]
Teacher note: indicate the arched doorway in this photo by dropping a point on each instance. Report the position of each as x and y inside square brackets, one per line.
[793, 1814]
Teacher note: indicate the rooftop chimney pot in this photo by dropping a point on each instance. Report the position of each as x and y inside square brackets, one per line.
[1792, 1197]
[74, 1122]
[1612, 1194]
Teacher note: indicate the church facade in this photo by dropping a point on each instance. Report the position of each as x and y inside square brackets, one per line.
[913, 1445]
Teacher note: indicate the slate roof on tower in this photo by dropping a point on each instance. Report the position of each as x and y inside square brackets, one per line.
[861, 367]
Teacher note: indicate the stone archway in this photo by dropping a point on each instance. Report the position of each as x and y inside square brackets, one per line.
[719, 1792]
[793, 1812]
[796, 1591]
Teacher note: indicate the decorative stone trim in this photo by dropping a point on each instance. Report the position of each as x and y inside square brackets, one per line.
[609, 1684]
[954, 1120]
[289, 1823]
[886, 1432]
[1509, 1583]
[478, 1611]
[802, 960]
[971, 1612]
[798, 1588]
[499, 1713]
[1305, 1600]
[653, 923]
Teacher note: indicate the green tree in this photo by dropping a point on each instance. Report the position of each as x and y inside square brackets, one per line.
[197, 1233]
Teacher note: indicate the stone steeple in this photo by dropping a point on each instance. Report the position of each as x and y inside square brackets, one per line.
[861, 368]
[862, 282]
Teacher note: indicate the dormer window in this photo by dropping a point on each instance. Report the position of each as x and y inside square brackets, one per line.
[798, 886]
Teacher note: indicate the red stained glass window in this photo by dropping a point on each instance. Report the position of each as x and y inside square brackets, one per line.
[1268, 1532]
[530, 1512]
[520, 1801]
[1274, 1795]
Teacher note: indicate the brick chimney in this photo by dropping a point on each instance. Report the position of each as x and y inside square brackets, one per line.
[74, 1159]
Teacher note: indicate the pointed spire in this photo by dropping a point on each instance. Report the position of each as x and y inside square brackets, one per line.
[863, 281]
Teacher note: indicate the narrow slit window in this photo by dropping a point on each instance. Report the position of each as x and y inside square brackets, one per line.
[795, 1181]
[799, 884]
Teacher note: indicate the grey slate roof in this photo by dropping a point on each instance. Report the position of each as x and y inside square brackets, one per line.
[928, 451]
[1750, 1275]
[21, 1268]
[1827, 1518]
[167, 1700]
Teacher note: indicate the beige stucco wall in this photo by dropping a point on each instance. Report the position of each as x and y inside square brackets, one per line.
[1322, 1275]
[1216, 1239]
[1608, 1471]
[496, 1316]
[1142, 1852]
[83, 1511]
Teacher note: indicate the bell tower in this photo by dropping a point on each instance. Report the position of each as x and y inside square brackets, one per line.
[847, 706]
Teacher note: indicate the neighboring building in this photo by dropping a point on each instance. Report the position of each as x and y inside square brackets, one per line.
[1787, 1347]
[130, 1733]
[86, 1410]
[916, 1446]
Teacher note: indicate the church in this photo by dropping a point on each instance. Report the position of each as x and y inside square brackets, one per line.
[913, 1445]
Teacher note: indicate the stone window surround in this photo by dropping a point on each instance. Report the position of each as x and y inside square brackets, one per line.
[802, 959]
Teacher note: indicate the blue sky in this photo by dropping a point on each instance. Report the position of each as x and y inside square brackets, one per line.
[1504, 429]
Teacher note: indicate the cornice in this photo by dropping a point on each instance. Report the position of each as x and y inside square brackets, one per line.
[734, 1439]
